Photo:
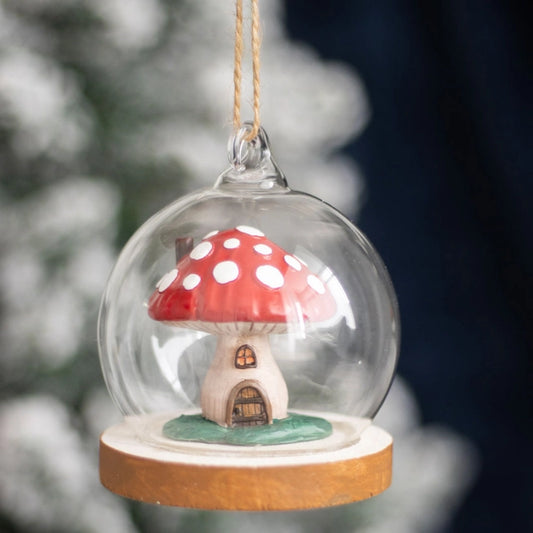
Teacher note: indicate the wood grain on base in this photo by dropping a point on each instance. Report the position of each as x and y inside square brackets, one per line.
[339, 477]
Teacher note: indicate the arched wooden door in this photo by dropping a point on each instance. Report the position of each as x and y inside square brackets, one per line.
[248, 406]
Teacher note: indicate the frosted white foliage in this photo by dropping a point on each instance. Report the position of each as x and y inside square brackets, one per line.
[48, 481]
[43, 102]
[37, 6]
[63, 214]
[49, 304]
[132, 25]
[90, 264]
[99, 412]
[59, 332]
[17, 33]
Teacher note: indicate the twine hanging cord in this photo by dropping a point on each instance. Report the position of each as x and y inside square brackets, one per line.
[237, 73]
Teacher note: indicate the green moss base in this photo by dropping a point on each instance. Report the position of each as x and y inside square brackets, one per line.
[294, 428]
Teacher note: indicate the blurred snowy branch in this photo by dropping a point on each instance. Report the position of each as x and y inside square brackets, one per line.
[49, 479]
[58, 252]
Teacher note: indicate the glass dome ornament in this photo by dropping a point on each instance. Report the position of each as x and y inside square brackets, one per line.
[248, 333]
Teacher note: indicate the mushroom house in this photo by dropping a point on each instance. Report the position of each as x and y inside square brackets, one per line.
[238, 285]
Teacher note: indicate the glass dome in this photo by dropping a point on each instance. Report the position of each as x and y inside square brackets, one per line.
[249, 283]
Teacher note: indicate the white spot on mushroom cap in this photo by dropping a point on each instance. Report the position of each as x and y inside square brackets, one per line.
[250, 231]
[293, 262]
[230, 244]
[191, 281]
[226, 271]
[164, 283]
[210, 234]
[201, 251]
[316, 284]
[263, 249]
[270, 276]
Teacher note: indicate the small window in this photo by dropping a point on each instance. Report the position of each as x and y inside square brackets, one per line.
[245, 357]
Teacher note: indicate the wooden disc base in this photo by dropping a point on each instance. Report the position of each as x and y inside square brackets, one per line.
[211, 476]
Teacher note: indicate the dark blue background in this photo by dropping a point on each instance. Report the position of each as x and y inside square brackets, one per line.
[447, 160]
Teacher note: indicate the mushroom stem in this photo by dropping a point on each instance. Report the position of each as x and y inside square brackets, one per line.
[232, 366]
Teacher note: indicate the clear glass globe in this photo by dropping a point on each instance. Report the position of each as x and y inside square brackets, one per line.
[249, 281]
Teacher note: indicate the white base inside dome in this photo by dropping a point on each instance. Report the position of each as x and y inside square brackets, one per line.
[148, 431]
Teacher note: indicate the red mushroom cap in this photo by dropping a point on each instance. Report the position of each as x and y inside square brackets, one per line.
[237, 281]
